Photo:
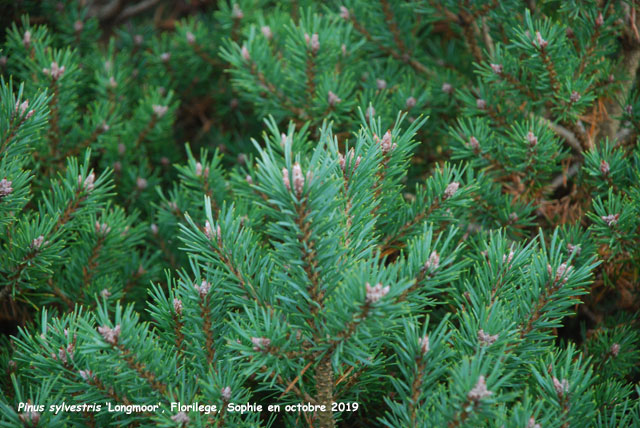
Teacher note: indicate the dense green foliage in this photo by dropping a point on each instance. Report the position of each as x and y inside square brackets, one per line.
[426, 212]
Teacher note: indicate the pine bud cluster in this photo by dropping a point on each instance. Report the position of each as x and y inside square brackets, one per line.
[5, 187]
[376, 292]
[110, 335]
[479, 391]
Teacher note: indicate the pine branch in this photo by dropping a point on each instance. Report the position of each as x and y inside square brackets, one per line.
[89, 270]
[273, 90]
[206, 327]
[324, 385]
[310, 263]
[54, 129]
[391, 240]
[393, 27]
[15, 277]
[404, 58]
[416, 390]
[141, 370]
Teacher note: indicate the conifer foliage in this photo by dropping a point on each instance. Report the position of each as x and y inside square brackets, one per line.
[370, 213]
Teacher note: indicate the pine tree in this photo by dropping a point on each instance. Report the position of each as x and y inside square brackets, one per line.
[438, 226]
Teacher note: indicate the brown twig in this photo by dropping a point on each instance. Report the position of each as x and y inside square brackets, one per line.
[630, 41]
[311, 84]
[136, 9]
[87, 270]
[13, 279]
[350, 328]
[145, 131]
[204, 56]
[271, 88]
[11, 132]
[551, 70]
[416, 387]
[543, 299]
[563, 132]
[106, 12]
[309, 259]
[178, 332]
[324, 387]
[206, 326]
[468, 25]
[416, 65]
[561, 179]
[486, 36]
[142, 371]
[391, 240]
[461, 417]
[244, 283]
[393, 27]
[295, 380]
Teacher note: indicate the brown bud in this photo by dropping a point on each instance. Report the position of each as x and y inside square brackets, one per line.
[333, 99]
